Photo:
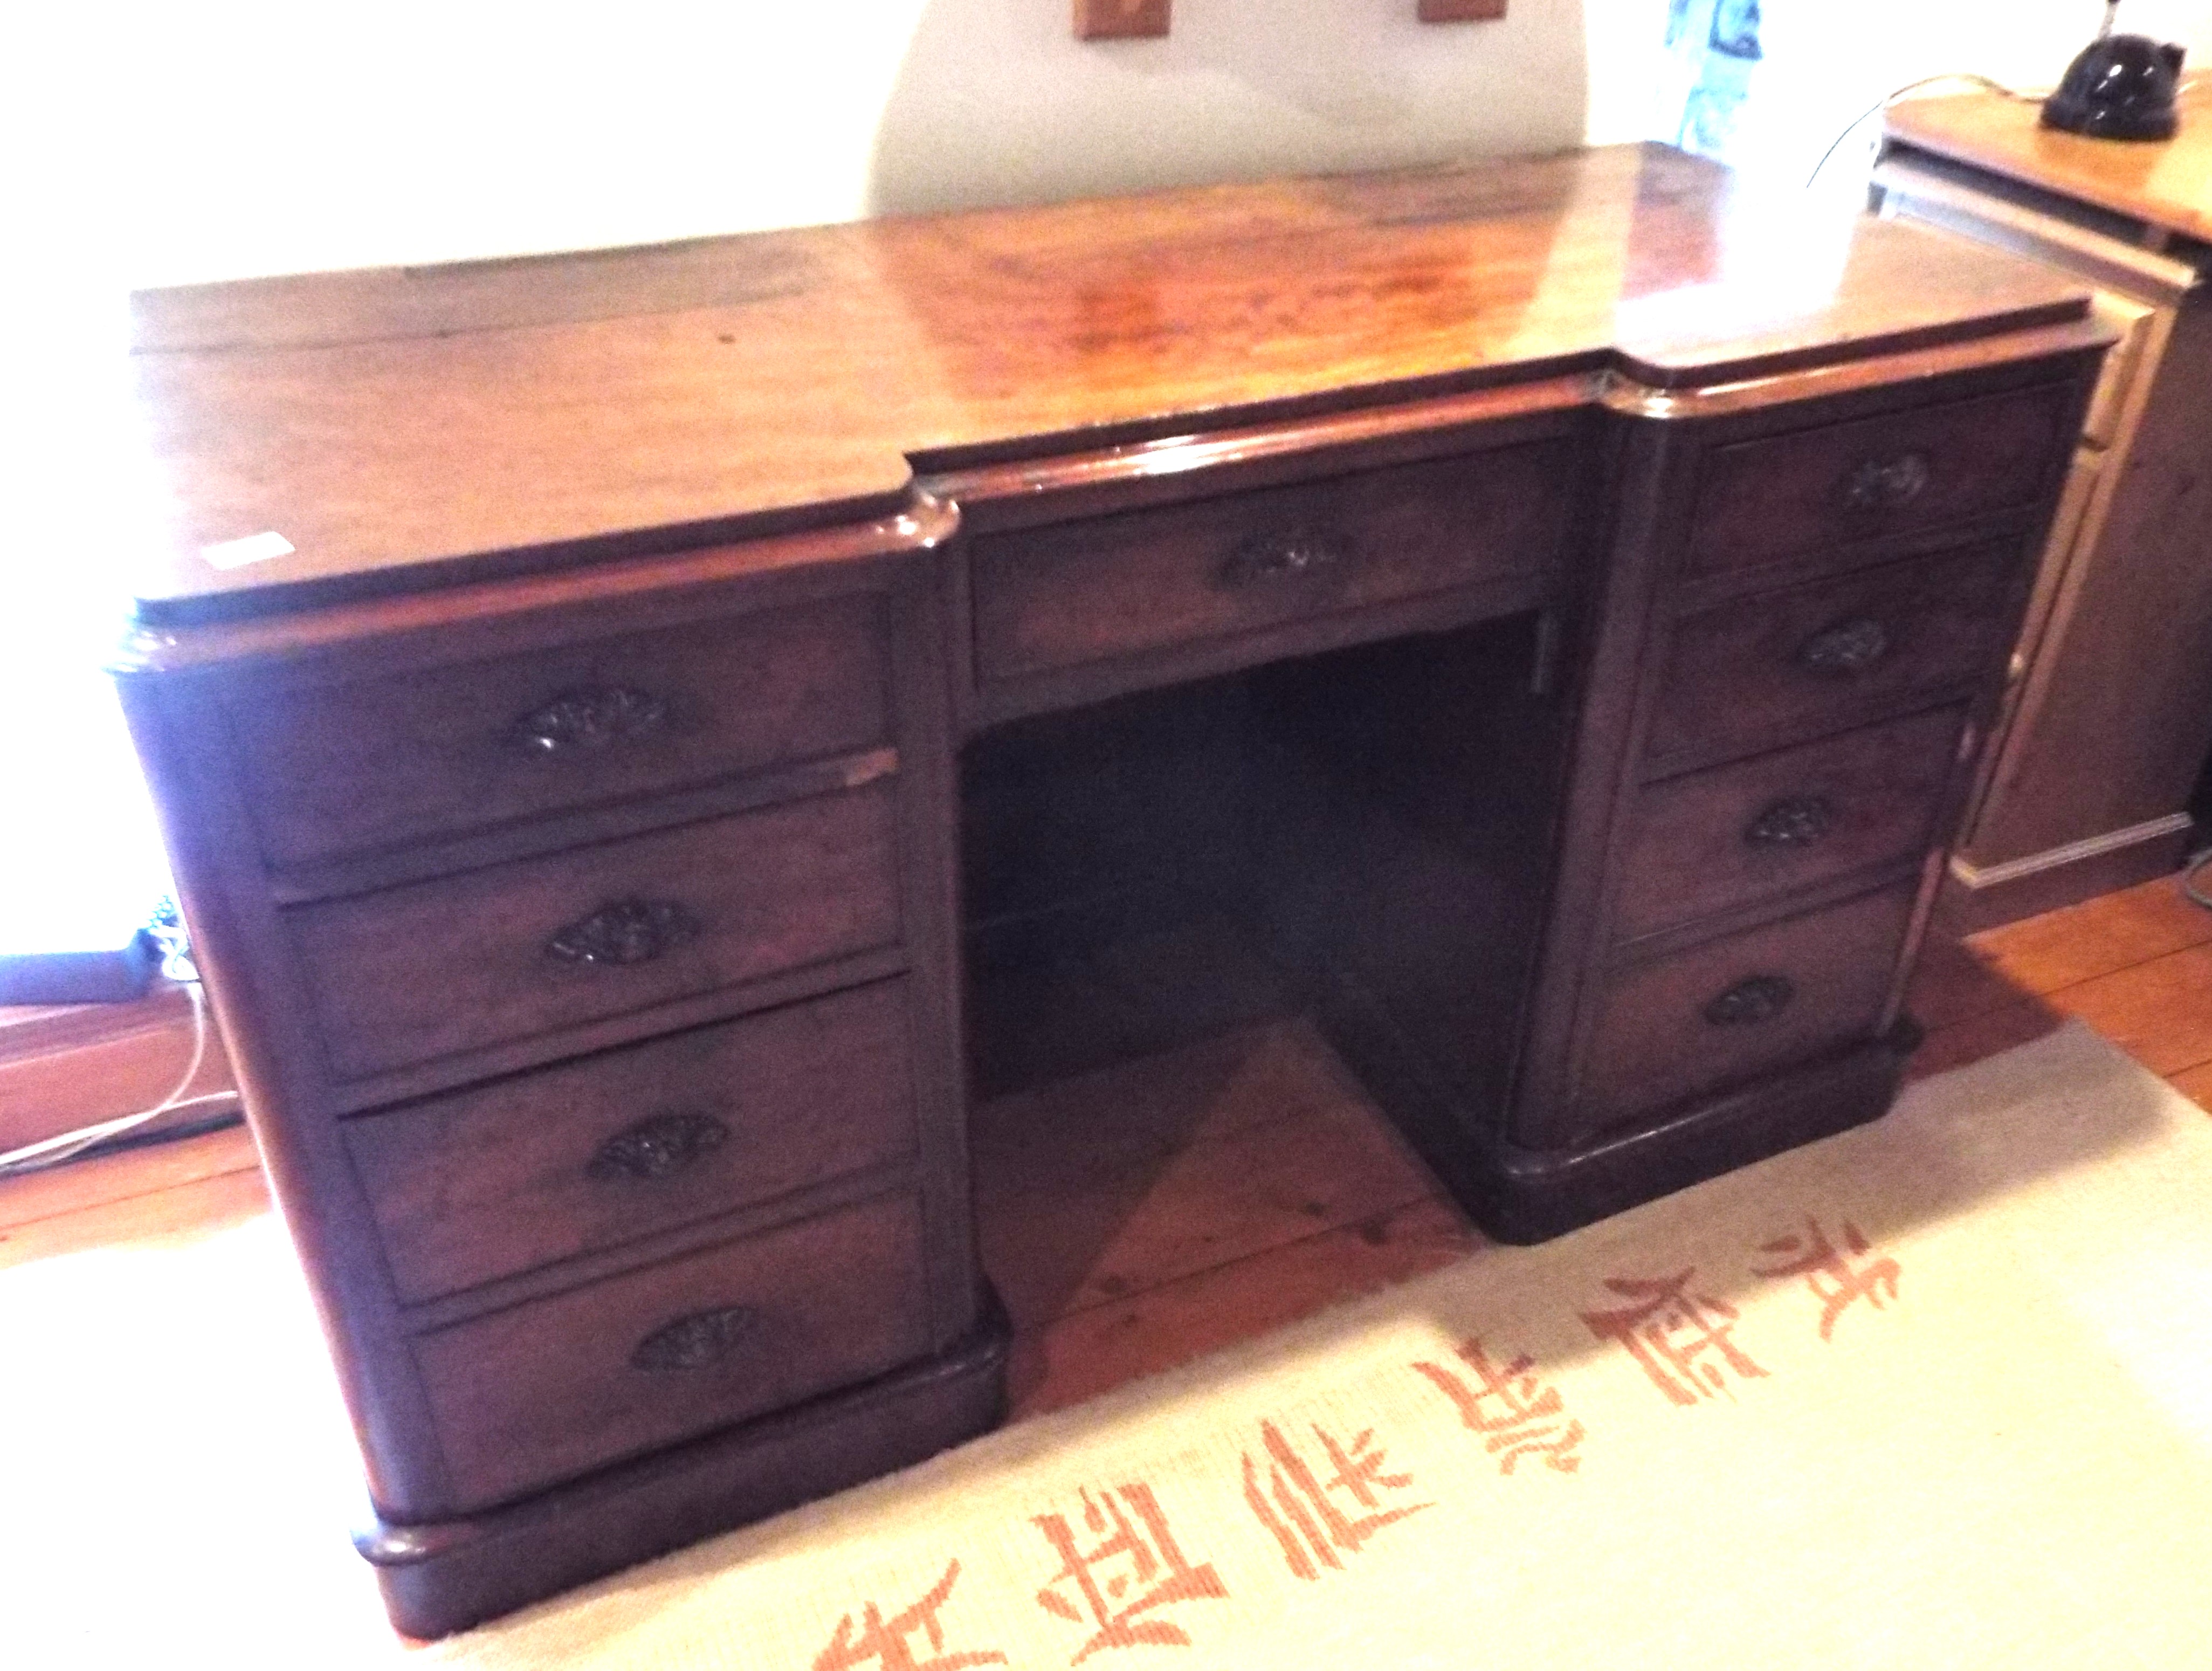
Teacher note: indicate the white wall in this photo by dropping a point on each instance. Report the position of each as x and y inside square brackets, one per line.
[237, 136]
[267, 135]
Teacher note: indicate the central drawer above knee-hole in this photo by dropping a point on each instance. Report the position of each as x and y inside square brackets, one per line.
[1105, 587]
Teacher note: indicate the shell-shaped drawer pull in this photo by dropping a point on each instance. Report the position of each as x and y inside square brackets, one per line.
[1286, 556]
[588, 719]
[1848, 649]
[659, 1147]
[1755, 998]
[1794, 821]
[1887, 484]
[629, 931]
[696, 1342]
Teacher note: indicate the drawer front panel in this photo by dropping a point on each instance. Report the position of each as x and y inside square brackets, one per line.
[514, 950]
[1768, 670]
[548, 1390]
[548, 1165]
[1111, 586]
[1726, 1012]
[1713, 841]
[446, 750]
[1764, 501]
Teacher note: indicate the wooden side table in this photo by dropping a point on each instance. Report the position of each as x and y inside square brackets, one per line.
[2109, 717]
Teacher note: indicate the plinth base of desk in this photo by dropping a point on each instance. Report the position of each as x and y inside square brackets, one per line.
[1520, 1196]
[444, 1576]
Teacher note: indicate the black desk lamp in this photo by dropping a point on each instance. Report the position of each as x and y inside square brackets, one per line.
[2119, 87]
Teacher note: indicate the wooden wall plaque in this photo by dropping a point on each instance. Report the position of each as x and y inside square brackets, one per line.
[1116, 20]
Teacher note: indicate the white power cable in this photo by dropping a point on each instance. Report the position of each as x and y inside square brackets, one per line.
[1894, 95]
[2195, 868]
[53, 1150]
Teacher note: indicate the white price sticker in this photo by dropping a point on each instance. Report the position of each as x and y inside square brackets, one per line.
[254, 547]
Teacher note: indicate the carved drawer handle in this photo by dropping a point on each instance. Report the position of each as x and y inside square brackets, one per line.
[1794, 821]
[1284, 557]
[588, 719]
[657, 1147]
[629, 931]
[1757, 998]
[1847, 648]
[696, 1342]
[1887, 484]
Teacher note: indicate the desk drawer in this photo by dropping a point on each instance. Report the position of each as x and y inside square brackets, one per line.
[569, 1160]
[1762, 500]
[1770, 669]
[1728, 1011]
[545, 1391]
[1083, 592]
[517, 950]
[1713, 841]
[439, 751]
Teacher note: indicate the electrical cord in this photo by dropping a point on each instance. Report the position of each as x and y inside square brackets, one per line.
[2191, 872]
[68, 1146]
[167, 926]
[1894, 95]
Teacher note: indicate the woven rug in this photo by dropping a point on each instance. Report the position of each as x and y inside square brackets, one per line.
[1936, 1393]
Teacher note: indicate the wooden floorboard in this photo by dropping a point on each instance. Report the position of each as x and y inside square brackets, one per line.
[2099, 937]
[2196, 1084]
[2136, 965]
[1132, 1178]
[193, 1209]
[2160, 1012]
[1095, 1350]
[125, 1176]
[1981, 1035]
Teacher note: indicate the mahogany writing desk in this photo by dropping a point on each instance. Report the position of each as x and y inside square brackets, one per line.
[1541, 615]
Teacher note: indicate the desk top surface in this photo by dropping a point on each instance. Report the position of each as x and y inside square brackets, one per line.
[2167, 183]
[403, 426]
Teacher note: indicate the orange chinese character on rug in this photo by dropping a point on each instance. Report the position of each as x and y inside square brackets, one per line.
[1679, 1339]
[1134, 1568]
[883, 1642]
[1829, 1272]
[1525, 1416]
[1312, 1529]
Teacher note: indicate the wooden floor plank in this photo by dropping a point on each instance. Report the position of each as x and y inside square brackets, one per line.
[1132, 1178]
[1952, 984]
[2196, 1083]
[2098, 937]
[1085, 1354]
[1957, 980]
[1065, 1251]
[1212, 1091]
[2160, 1012]
[124, 1174]
[1980, 1036]
[200, 1207]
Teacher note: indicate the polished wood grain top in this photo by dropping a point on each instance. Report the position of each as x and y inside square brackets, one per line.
[2167, 183]
[406, 426]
